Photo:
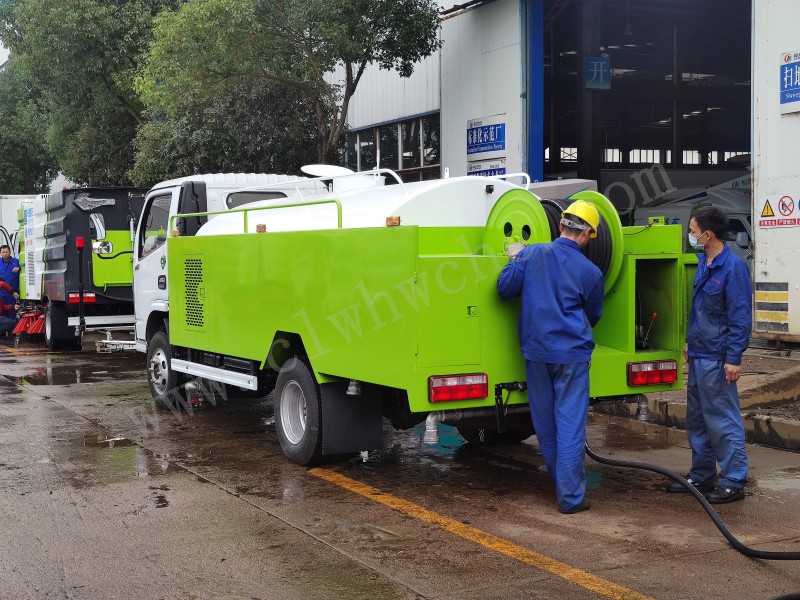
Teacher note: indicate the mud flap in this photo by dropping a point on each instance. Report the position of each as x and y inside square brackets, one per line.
[349, 423]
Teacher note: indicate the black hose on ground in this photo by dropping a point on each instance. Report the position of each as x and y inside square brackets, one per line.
[746, 550]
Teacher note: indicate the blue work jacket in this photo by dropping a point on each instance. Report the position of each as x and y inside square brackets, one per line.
[721, 314]
[7, 272]
[562, 299]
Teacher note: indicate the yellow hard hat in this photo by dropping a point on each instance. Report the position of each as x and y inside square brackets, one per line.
[586, 211]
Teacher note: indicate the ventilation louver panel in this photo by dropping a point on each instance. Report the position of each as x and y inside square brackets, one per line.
[195, 313]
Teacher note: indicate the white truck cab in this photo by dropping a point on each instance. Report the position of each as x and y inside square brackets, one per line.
[217, 192]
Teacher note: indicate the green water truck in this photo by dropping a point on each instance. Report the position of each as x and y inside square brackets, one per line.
[376, 301]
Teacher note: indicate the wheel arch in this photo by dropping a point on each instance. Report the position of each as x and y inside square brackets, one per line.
[156, 321]
[284, 346]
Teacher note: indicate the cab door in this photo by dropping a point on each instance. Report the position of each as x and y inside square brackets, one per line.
[150, 259]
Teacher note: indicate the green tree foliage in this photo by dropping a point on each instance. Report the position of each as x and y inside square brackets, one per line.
[25, 165]
[83, 57]
[244, 129]
[206, 46]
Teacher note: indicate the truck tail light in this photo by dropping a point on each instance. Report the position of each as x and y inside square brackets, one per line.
[75, 298]
[652, 373]
[444, 388]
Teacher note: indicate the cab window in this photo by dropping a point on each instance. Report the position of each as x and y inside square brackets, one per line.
[735, 226]
[237, 199]
[154, 232]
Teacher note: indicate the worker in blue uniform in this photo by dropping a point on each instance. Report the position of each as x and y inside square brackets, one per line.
[8, 308]
[717, 335]
[9, 289]
[562, 299]
[9, 268]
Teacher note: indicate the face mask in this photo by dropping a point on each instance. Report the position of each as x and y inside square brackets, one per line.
[693, 242]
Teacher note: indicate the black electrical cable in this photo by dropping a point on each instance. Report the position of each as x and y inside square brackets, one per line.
[642, 230]
[746, 550]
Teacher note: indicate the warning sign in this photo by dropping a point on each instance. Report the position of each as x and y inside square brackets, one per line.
[785, 205]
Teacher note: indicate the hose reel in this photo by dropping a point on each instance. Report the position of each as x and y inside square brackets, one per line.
[515, 217]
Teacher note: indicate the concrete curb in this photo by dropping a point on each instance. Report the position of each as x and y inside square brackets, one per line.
[781, 390]
[770, 431]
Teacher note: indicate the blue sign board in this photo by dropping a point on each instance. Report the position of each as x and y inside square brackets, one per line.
[486, 138]
[790, 82]
[597, 71]
[488, 172]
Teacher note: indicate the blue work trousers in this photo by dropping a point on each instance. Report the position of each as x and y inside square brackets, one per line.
[558, 395]
[6, 323]
[714, 425]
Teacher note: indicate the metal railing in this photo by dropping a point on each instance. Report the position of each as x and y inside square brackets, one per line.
[247, 210]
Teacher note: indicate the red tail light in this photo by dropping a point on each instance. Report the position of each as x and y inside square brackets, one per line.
[444, 388]
[74, 298]
[652, 373]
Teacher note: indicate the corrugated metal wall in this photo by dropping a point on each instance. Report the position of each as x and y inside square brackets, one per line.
[385, 96]
[477, 73]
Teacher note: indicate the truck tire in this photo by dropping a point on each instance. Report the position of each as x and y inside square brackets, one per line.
[57, 334]
[298, 413]
[163, 381]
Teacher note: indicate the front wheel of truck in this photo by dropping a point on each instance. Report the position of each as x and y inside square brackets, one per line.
[298, 413]
[162, 379]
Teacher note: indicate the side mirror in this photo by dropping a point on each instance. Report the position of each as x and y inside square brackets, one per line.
[192, 200]
[102, 248]
[742, 239]
[99, 226]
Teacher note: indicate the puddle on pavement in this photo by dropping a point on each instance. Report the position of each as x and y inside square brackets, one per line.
[625, 434]
[158, 499]
[11, 393]
[101, 440]
[99, 458]
[784, 480]
[67, 375]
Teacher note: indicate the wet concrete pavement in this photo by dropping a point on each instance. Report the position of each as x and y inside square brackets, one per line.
[102, 496]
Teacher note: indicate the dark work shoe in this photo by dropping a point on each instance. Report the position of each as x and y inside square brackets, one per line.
[585, 505]
[723, 495]
[677, 488]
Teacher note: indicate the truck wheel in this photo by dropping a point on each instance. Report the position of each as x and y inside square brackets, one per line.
[162, 379]
[298, 413]
[57, 334]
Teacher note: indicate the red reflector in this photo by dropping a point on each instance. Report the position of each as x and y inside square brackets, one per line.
[445, 388]
[75, 298]
[652, 373]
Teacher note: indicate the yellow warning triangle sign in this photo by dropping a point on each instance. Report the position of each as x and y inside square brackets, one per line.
[767, 212]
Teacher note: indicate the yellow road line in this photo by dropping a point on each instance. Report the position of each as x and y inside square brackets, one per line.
[11, 350]
[498, 544]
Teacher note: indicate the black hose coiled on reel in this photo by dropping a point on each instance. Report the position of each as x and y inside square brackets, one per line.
[598, 250]
[737, 545]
